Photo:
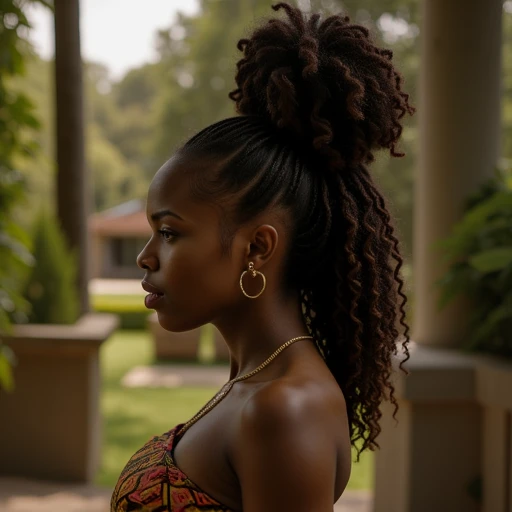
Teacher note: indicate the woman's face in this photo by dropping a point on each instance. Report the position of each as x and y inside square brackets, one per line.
[183, 259]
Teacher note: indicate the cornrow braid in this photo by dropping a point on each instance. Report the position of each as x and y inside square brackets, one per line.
[315, 100]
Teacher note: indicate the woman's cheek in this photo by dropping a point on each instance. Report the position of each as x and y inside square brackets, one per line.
[184, 268]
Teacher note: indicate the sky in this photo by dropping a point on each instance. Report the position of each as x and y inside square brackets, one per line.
[127, 44]
[130, 42]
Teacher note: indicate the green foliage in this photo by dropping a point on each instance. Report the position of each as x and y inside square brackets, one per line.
[14, 254]
[115, 178]
[38, 173]
[130, 309]
[507, 85]
[51, 287]
[7, 361]
[480, 254]
[17, 126]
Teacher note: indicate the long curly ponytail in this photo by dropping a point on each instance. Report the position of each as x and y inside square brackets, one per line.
[316, 99]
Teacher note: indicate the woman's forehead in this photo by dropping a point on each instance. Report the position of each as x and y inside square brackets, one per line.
[170, 189]
[168, 182]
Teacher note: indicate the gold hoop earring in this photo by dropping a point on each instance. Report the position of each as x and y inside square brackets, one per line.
[253, 273]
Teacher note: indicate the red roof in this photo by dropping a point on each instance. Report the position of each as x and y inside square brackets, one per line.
[126, 220]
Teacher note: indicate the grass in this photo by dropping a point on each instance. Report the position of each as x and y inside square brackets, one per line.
[130, 309]
[133, 415]
[126, 302]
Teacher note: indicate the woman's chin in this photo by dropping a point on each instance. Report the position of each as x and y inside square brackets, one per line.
[173, 324]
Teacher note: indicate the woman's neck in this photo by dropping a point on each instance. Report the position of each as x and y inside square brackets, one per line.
[255, 331]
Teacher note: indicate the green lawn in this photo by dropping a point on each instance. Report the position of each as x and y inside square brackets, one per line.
[132, 416]
[128, 302]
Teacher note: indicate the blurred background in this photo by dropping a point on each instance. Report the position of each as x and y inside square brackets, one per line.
[154, 73]
[155, 76]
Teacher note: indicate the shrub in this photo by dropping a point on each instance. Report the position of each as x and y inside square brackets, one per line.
[131, 310]
[480, 254]
[17, 130]
[51, 288]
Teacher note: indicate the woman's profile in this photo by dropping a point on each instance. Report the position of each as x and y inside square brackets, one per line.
[269, 226]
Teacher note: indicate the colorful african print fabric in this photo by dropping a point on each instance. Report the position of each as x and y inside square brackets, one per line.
[151, 482]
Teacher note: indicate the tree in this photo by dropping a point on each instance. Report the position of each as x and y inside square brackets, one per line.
[114, 178]
[38, 173]
[51, 287]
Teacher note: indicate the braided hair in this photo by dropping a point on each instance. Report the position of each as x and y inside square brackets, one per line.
[316, 99]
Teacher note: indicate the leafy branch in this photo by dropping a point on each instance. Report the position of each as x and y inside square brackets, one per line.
[17, 127]
[480, 254]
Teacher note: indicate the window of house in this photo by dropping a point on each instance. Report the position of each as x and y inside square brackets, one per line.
[126, 250]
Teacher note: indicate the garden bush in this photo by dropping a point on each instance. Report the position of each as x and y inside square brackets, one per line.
[479, 252]
[51, 286]
[130, 309]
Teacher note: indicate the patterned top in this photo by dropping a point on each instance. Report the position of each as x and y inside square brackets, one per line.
[151, 482]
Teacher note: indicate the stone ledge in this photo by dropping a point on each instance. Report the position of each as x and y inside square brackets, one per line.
[448, 375]
[494, 382]
[437, 375]
[88, 332]
[172, 376]
[55, 401]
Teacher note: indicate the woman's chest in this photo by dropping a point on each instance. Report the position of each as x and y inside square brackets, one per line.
[202, 452]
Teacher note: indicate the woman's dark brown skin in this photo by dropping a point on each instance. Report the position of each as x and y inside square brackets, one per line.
[285, 186]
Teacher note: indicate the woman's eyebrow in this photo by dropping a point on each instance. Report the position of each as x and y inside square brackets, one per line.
[164, 213]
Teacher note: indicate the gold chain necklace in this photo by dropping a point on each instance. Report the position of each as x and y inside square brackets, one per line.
[227, 387]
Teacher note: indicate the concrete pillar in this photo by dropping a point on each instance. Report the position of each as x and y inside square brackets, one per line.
[72, 191]
[459, 111]
[432, 459]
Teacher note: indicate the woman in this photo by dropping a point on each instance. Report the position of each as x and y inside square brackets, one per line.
[269, 226]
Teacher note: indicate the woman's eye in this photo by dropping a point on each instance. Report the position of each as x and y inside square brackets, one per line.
[166, 235]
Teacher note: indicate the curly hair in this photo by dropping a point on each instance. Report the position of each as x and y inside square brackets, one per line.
[315, 100]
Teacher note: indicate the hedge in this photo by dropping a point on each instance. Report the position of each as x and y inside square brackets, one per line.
[131, 310]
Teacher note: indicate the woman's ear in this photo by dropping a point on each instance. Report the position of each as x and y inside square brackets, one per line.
[263, 245]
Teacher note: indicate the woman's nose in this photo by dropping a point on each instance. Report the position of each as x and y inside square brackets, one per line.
[147, 261]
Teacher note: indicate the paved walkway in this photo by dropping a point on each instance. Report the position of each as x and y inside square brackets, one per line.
[19, 495]
[176, 375]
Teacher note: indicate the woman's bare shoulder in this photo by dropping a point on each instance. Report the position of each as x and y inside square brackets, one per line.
[286, 446]
[290, 399]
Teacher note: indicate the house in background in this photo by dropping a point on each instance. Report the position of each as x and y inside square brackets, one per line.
[117, 236]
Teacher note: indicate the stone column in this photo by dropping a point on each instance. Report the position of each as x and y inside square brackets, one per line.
[72, 192]
[433, 458]
[459, 114]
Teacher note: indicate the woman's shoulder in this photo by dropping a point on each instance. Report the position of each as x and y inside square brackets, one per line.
[289, 441]
[292, 409]
[290, 400]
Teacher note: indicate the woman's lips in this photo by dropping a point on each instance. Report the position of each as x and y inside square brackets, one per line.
[152, 300]
[154, 296]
